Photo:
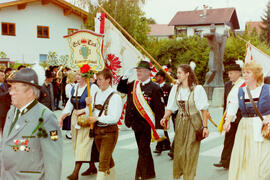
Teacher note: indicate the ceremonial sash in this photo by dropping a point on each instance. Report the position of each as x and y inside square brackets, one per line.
[239, 83]
[143, 108]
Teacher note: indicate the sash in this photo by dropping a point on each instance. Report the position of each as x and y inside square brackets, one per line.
[239, 83]
[143, 108]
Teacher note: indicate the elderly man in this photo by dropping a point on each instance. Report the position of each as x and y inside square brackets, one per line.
[144, 110]
[31, 146]
[234, 73]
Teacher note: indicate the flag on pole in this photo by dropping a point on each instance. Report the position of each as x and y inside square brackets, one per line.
[254, 54]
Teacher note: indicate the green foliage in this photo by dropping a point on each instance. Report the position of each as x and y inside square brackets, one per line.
[54, 59]
[3, 54]
[128, 14]
[265, 34]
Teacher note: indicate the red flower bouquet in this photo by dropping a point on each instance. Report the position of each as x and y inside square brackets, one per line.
[86, 71]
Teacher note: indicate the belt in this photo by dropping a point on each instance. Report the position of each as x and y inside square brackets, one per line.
[100, 124]
[250, 115]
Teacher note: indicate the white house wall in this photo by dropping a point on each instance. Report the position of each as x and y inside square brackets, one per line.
[206, 29]
[25, 47]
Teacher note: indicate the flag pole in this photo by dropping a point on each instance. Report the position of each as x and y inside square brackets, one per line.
[136, 43]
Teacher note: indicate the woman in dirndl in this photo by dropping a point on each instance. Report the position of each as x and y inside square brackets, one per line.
[190, 100]
[83, 147]
[251, 151]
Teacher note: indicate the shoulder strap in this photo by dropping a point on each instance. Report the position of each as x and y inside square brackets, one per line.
[105, 105]
[253, 104]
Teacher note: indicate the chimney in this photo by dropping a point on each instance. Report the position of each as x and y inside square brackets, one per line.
[204, 10]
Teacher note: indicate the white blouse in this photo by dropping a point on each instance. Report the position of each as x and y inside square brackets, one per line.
[200, 98]
[69, 106]
[114, 108]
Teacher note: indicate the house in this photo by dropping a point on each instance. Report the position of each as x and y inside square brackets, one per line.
[161, 31]
[32, 28]
[198, 22]
[254, 25]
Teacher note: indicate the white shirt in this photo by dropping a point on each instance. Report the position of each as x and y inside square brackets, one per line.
[162, 84]
[114, 108]
[68, 89]
[200, 98]
[69, 106]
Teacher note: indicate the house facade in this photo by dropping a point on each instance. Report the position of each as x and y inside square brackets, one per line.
[198, 22]
[32, 28]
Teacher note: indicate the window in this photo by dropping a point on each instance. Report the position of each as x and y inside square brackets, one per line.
[70, 30]
[181, 30]
[43, 57]
[198, 32]
[8, 29]
[42, 31]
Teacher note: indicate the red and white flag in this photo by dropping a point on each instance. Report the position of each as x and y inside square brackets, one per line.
[254, 54]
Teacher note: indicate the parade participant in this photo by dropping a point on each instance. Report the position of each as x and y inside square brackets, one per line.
[143, 99]
[251, 151]
[107, 109]
[4, 100]
[234, 73]
[82, 144]
[46, 96]
[190, 99]
[70, 84]
[31, 147]
[160, 79]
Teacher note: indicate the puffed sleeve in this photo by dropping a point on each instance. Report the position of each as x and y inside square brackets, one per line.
[172, 106]
[233, 105]
[200, 98]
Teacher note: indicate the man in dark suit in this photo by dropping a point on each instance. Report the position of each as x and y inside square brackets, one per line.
[4, 100]
[147, 94]
[160, 80]
[46, 92]
[234, 73]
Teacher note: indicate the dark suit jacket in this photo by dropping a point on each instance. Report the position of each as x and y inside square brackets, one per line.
[166, 89]
[5, 102]
[227, 89]
[150, 90]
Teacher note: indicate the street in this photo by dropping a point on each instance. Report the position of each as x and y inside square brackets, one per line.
[126, 155]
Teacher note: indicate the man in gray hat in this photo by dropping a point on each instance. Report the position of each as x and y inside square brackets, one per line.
[31, 146]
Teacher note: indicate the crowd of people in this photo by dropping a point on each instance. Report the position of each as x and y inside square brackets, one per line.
[31, 132]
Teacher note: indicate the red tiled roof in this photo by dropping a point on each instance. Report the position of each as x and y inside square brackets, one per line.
[254, 24]
[161, 30]
[213, 16]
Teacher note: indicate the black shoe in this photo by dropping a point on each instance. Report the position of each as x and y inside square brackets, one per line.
[68, 136]
[91, 170]
[170, 154]
[73, 177]
[157, 151]
[166, 148]
[218, 164]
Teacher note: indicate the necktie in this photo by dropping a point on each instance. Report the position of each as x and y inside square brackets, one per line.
[14, 121]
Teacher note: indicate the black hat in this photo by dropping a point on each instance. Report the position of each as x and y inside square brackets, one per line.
[48, 74]
[26, 75]
[144, 64]
[234, 67]
[161, 73]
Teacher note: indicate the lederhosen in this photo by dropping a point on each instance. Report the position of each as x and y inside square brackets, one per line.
[105, 137]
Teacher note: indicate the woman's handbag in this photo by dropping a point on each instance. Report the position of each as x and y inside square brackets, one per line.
[265, 127]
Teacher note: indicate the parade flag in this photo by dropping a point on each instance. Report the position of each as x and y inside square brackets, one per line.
[124, 54]
[254, 54]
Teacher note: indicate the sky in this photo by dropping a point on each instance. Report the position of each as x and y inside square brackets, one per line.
[162, 11]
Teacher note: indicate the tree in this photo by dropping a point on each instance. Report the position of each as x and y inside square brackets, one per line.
[127, 13]
[265, 33]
